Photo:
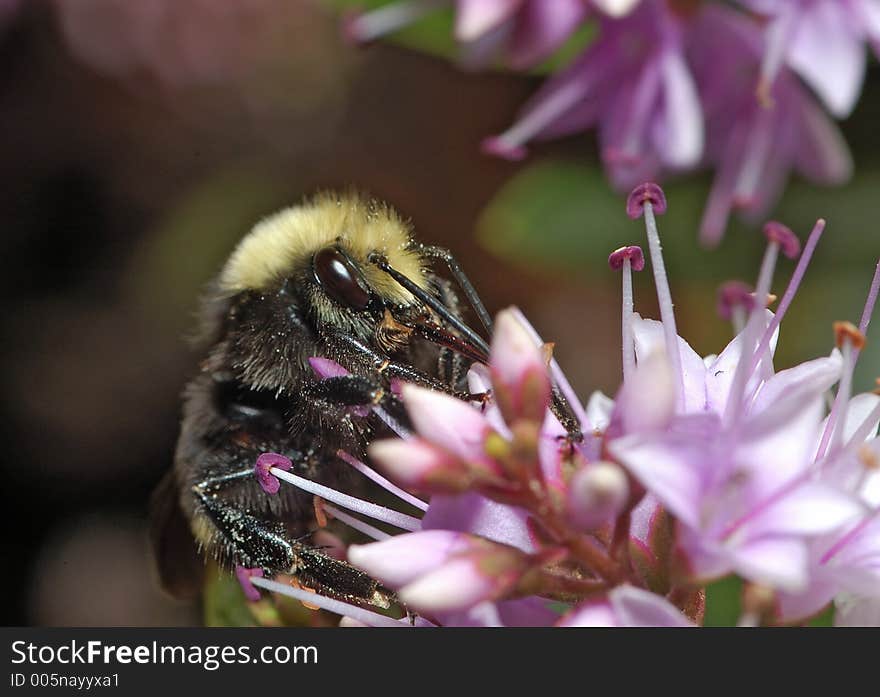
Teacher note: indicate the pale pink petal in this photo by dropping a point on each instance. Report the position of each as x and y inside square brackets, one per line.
[519, 371]
[822, 154]
[643, 517]
[616, 8]
[446, 421]
[825, 50]
[706, 560]
[599, 409]
[854, 611]
[484, 614]
[649, 338]
[640, 608]
[541, 29]
[416, 463]
[720, 372]
[591, 613]
[478, 515]
[456, 585]
[402, 558]
[680, 138]
[526, 612]
[776, 562]
[668, 466]
[646, 402]
[809, 377]
[792, 607]
[778, 444]
[812, 508]
[858, 409]
[473, 18]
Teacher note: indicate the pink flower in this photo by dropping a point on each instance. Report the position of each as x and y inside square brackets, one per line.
[754, 145]
[823, 41]
[524, 32]
[438, 571]
[626, 606]
[699, 468]
[634, 85]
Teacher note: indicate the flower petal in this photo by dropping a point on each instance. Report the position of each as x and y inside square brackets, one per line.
[456, 585]
[591, 613]
[649, 338]
[474, 18]
[826, 51]
[418, 464]
[776, 562]
[446, 421]
[640, 608]
[541, 29]
[812, 508]
[402, 558]
[668, 465]
[855, 611]
[478, 515]
[680, 138]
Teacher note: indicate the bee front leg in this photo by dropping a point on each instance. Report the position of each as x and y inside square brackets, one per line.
[240, 538]
[236, 537]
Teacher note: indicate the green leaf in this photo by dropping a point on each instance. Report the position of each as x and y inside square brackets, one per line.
[824, 618]
[723, 602]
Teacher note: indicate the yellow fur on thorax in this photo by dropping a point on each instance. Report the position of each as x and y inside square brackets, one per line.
[278, 243]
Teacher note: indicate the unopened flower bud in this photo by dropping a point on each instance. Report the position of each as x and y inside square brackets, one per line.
[596, 493]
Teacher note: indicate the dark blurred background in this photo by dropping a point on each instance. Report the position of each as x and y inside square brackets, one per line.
[143, 139]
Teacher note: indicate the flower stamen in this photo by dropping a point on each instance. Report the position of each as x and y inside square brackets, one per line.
[627, 260]
[372, 510]
[338, 607]
[787, 297]
[377, 478]
[647, 199]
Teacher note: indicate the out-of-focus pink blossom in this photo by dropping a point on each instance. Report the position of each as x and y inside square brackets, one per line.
[626, 606]
[754, 144]
[823, 41]
[634, 85]
[521, 32]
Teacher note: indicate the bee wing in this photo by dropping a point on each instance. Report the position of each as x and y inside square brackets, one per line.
[180, 567]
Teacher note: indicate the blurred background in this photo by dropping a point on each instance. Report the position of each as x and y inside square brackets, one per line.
[143, 139]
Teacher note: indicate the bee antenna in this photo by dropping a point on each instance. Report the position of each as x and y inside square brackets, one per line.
[467, 333]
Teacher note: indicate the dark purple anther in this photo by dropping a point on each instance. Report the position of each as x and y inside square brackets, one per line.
[734, 294]
[649, 192]
[267, 480]
[244, 576]
[784, 237]
[633, 253]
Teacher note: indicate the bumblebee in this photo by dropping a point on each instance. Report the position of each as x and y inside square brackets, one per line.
[338, 277]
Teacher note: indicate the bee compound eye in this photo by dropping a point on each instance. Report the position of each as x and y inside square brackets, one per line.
[334, 272]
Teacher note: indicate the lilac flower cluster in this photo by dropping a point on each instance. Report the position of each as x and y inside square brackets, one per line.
[675, 85]
[699, 468]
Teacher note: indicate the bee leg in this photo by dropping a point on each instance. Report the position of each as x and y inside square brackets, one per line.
[237, 537]
[347, 391]
[383, 366]
[246, 540]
